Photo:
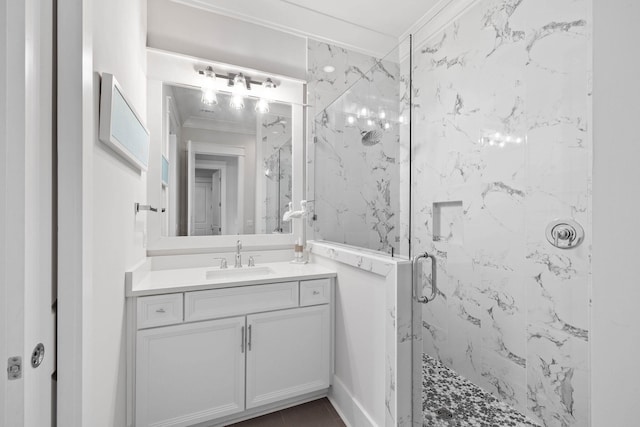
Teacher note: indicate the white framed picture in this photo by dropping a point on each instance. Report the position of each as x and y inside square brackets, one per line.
[121, 128]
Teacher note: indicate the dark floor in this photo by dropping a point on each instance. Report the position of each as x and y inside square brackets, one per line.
[319, 413]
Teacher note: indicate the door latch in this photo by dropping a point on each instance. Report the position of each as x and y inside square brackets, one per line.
[14, 368]
[37, 355]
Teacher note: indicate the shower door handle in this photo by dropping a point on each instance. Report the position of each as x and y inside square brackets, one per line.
[434, 281]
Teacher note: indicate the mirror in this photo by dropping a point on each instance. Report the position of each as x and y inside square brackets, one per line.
[228, 170]
[247, 161]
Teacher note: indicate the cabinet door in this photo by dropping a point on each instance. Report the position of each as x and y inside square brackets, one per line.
[190, 373]
[288, 354]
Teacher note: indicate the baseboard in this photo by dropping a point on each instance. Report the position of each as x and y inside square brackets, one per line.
[348, 407]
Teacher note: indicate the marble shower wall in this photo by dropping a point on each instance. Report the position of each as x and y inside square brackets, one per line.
[356, 154]
[501, 146]
[275, 171]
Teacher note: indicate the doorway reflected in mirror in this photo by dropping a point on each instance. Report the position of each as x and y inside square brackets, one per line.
[230, 169]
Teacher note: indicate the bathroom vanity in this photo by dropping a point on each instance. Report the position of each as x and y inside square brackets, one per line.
[210, 346]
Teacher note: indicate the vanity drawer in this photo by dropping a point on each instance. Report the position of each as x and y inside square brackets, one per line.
[315, 292]
[159, 310]
[201, 305]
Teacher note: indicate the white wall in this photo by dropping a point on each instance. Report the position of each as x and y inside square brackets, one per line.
[202, 34]
[359, 380]
[119, 32]
[615, 346]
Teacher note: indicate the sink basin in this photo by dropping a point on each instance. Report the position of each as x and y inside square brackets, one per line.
[238, 273]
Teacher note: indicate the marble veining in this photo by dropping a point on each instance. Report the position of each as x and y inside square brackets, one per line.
[358, 138]
[275, 153]
[501, 124]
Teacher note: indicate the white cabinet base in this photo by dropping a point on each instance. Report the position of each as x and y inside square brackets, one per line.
[207, 369]
[288, 354]
[187, 374]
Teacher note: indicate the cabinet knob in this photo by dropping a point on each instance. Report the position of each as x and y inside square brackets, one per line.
[160, 310]
[316, 292]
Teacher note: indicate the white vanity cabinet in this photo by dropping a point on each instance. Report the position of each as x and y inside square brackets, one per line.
[287, 354]
[189, 373]
[206, 357]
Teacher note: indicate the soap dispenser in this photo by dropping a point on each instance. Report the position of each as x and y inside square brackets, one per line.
[298, 253]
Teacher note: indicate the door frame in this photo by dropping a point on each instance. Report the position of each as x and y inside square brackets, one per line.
[213, 149]
[76, 100]
[222, 167]
[222, 181]
[27, 201]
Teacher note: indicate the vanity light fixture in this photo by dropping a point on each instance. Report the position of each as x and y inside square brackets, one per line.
[269, 84]
[262, 105]
[239, 84]
[208, 88]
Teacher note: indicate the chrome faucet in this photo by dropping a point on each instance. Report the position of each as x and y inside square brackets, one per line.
[238, 256]
[223, 263]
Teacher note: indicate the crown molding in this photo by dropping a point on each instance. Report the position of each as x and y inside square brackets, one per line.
[216, 125]
[377, 43]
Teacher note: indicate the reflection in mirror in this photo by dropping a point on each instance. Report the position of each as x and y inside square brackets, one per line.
[230, 168]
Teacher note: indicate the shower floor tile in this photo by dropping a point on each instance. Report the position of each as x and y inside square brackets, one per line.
[450, 400]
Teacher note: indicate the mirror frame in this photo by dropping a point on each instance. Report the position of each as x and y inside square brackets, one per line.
[165, 67]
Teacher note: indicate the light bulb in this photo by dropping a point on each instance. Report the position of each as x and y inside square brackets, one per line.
[382, 115]
[209, 97]
[208, 88]
[351, 120]
[237, 102]
[262, 106]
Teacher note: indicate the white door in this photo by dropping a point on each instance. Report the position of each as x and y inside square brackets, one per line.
[216, 202]
[188, 374]
[26, 212]
[288, 354]
[202, 209]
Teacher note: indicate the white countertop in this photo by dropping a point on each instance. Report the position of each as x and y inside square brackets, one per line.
[143, 281]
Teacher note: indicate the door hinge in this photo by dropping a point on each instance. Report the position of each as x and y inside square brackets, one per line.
[14, 368]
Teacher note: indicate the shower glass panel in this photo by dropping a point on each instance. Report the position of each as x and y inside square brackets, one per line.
[361, 158]
[501, 148]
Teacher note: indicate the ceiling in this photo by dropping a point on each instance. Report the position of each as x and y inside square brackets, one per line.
[370, 26]
[193, 113]
[389, 17]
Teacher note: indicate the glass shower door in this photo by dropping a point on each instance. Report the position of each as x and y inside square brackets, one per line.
[500, 149]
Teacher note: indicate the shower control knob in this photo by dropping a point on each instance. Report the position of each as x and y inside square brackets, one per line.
[565, 233]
